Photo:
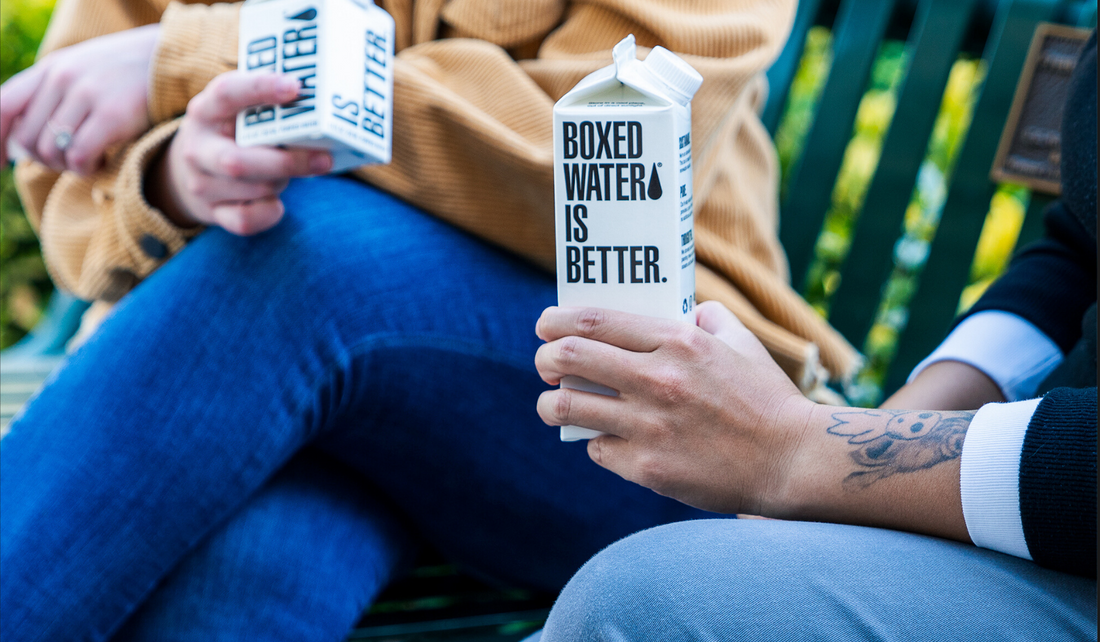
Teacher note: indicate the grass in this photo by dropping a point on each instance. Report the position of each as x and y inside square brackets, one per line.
[24, 286]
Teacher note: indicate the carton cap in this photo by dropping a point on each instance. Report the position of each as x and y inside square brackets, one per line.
[680, 78]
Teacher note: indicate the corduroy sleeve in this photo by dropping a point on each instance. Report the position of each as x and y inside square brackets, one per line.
[473, 145]
[99, 235]
[74, 21]
[197, 42]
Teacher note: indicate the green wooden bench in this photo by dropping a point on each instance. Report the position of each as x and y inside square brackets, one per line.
[935, 32]
[435, 602]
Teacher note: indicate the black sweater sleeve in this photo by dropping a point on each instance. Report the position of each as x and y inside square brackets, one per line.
[1052, 282]
[1058, 481]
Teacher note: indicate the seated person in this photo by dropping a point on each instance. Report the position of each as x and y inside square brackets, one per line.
[300, 380]
[993, 511]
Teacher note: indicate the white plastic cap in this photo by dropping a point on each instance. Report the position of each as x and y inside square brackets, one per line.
[680, 77]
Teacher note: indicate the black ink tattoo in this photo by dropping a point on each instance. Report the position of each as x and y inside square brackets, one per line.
[900, 441]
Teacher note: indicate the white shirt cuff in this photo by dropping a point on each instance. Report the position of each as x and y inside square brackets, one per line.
[1011, 351]
[989, 479]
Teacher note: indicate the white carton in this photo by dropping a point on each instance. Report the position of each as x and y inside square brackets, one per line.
[342, 53]
[623, 192]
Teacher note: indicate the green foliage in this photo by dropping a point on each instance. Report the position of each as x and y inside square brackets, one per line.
[876, 111]
[24, 285]
[861, 158]
[806, 86]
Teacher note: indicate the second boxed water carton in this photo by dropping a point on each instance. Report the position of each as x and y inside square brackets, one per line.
[341, 52]
[623, 192]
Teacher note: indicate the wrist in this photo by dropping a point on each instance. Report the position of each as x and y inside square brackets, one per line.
[792, 468]
[160, 191]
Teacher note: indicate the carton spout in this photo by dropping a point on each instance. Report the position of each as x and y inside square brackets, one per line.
[662, 72]
[676, 76]
[624, 53]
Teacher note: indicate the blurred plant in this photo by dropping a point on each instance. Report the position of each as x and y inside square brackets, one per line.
[873, 117]
[922, 215]
[998, 239]
[24, 285]
[806, 86]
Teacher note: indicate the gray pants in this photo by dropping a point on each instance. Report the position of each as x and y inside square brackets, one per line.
[772, 580]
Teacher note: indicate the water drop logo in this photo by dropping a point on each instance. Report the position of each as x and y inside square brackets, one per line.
[305, 15]
[654, 192]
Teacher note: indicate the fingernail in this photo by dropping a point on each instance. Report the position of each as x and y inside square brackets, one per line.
[320, 163]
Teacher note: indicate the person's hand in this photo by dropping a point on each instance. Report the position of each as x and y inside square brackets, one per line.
[704, 415]
[67, 109]
[205, 177]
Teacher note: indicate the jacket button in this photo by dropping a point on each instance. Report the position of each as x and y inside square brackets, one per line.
[153, 247]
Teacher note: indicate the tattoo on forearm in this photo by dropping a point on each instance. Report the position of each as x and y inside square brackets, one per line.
[899, 441]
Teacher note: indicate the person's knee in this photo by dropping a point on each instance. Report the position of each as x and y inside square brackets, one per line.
[637, 589]
[704, 579]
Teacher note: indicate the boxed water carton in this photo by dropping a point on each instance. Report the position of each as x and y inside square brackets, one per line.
[623, 192]
[341, 51]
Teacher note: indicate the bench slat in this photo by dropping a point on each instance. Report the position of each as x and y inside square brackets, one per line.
[857, 33]
[937, 33]
[932, 308]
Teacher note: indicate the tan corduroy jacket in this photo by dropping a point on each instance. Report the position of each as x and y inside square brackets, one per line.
[475, 83]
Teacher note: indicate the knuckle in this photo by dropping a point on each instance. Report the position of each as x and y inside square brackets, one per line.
[596, 451]
[590, 320]
[232, 220]
[671, 385]
[114, 112]
[189, 153]
[84, 92]
[196, 104]
[698, 343]
[648, 470]
[289, 165]
[232, 165]
[562, 406]
[196, 184]
[45, 150]
[79, 159]
[688, 339]
[61, 75]
[221, 89]
[247, 225]
[569, 352]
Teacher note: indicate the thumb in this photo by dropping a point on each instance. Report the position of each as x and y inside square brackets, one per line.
[717, 320]
[613, 453]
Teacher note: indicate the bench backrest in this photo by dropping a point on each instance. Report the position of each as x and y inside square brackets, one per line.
[935, 32]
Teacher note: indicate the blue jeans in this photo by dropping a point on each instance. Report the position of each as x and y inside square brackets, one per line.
[256, 439]
[719, 580]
